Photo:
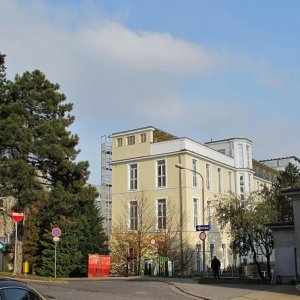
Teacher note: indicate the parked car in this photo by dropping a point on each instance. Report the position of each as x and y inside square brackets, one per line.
[18, 290]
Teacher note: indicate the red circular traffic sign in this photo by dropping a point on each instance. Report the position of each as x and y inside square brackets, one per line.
[18, 216]
[56, 232]
[202, 235]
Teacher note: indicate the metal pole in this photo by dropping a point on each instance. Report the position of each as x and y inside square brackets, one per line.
[203, 258]
[181, 221]
[15, 256]
[55, 259]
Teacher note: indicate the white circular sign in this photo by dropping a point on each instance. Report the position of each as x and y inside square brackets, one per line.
[152, 242]
[202, 235]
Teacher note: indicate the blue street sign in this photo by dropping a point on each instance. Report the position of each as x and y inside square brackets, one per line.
[202, 227]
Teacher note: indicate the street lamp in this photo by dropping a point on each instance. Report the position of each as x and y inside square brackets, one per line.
[181, 218]
[180, 167]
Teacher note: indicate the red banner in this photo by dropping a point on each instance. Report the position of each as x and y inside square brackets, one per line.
[99, 265]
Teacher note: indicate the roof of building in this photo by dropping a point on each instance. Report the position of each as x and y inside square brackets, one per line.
[287, 157]
[226, 140]
[158, 134]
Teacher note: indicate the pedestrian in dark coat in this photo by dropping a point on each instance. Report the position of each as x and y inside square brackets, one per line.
[215, 265]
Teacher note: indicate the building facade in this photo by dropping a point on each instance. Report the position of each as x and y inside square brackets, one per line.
[280, 163]
[181, 178]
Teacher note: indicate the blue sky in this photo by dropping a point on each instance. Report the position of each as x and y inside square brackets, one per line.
[196, 68]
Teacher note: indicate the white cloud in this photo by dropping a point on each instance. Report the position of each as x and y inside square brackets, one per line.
[149, 51]
[119, 78]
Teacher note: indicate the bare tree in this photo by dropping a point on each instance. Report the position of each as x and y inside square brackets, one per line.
[131, 236]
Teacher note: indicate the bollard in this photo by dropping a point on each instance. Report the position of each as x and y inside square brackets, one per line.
[25, 267]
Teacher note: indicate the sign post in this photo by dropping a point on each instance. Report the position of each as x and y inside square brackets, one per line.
[202, 237]
[56, 232]
[17, 216]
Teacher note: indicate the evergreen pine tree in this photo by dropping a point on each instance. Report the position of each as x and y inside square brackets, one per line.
[39, 169]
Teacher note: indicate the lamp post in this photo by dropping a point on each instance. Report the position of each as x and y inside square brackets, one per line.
[180, 167]
[181, 218]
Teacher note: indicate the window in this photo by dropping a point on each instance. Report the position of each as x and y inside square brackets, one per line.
[248, 156]
[230, 181]
[119, 142]
[219, 180]
[133, 182]
[143, 137]
[133, 215]
[161, 214]
[242, 184]
[240, 156]
[195, 175]
[196, 211]
[207, 167]
[161, 173]
[20, 294]
[131, 140]
[249, 183]
[210, 213]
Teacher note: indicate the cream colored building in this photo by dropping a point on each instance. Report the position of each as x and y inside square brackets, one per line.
[182, 177]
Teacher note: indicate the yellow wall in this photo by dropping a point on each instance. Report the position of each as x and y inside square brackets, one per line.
[140, 153]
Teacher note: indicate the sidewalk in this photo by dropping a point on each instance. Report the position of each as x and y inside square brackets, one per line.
[231, 291]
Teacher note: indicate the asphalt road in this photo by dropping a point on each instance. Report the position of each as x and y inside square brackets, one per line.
[110, 289]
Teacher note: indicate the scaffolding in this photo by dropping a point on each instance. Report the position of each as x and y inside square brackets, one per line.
[106, 183]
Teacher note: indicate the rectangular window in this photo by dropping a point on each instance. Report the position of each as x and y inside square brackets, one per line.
[133, 215]
[143, 137]
[133, 175]
[195, 175]
[219, 180]
[248, 156]
[207, 172]
[119, 142]
[249, 183]
[210, 214]
[196, 212]
[131, 140]
[242, 184]
[161, 214]
[230, 181]
[161, 173]
[241, 156]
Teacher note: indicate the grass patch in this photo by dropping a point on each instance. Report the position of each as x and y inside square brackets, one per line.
[28, 277]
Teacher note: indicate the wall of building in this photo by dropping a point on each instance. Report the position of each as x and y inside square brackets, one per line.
[182, 152]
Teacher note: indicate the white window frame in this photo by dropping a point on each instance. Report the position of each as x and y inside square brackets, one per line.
[130, 140]
[229, 181]
[210, 214]
[242, 183]
[119, 142]
[143, 137]
[208, 177]
[133, 177]
[133, 215]
[248, 156]
[196, 211]
[195, 175]
[241, 155]
[161, 218]
[161, 173]
[220, 185]
[249, 183]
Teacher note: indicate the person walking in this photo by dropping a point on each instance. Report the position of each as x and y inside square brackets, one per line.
[215, 265]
